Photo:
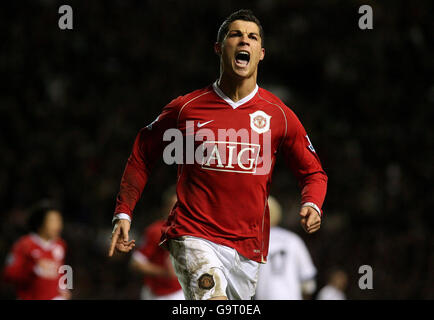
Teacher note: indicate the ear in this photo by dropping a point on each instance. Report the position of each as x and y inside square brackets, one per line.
[261, 57]
[218, 48]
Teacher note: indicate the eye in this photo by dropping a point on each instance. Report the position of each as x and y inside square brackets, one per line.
[254, 37]
[234, 34]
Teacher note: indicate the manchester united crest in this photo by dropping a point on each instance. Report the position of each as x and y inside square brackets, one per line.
[260, 121]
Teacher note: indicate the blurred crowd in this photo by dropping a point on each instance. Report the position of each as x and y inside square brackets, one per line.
[72, 102]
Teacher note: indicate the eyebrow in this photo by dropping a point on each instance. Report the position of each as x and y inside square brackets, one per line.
[237, 30]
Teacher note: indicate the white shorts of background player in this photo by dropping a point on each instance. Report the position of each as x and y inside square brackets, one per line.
[233, 275]
[146, 294]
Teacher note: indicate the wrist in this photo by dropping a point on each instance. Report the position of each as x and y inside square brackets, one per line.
[314, 206]
[121, 216]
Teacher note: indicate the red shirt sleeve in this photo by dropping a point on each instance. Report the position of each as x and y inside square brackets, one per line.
[147, 149]
[19, 267]
[303, 161]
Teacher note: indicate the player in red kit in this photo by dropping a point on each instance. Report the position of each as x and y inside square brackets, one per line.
[33, 264]
[230, 133]
[151, 260]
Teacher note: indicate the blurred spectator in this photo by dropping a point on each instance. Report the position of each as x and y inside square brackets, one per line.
[335, 288]
[34, 262]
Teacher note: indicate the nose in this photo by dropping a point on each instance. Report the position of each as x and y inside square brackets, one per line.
[244, 40]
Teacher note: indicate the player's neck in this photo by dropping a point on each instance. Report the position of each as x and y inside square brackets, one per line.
[235, 88]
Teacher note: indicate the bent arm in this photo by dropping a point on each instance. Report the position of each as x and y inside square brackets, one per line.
[305, 164]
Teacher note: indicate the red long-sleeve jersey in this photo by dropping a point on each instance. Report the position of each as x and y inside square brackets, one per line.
[24, 271]
[225, 168]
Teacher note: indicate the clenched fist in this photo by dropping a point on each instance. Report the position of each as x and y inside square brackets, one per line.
[310, 219]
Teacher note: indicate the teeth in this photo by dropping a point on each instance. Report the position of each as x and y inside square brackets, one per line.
[242, 56]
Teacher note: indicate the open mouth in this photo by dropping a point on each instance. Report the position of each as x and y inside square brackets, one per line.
[242, 58]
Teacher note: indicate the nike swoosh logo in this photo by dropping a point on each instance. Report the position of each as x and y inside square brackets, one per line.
[202, 124]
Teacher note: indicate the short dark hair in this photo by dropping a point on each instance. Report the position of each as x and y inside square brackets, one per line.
[243, 14]
[38, 213]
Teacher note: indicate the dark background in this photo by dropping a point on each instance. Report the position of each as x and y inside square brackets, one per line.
[72, 102]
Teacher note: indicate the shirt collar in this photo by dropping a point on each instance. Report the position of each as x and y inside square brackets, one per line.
[45, 244]
[233, 104]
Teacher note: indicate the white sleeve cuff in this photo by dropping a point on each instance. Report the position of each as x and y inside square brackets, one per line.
[121, 216]
[312, 205]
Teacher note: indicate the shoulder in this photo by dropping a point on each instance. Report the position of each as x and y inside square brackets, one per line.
[270, 97]
[173, 109]
[280, 233]
[291, 121]
[24, 243]
[196, 94]
[61, 242]
[185, 99]
[272, 100]
[294, 237]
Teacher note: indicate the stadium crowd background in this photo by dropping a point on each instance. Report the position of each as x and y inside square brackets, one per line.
[72, 102]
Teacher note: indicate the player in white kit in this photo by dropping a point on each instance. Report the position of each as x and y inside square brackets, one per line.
[289, 273]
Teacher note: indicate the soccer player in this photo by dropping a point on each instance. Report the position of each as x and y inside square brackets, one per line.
[335, 287]
[289, 273]
[33, 265]
[151, 260]
[231, 130]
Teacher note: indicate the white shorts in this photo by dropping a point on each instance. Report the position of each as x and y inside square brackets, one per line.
[206, 270]
[146, 294]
